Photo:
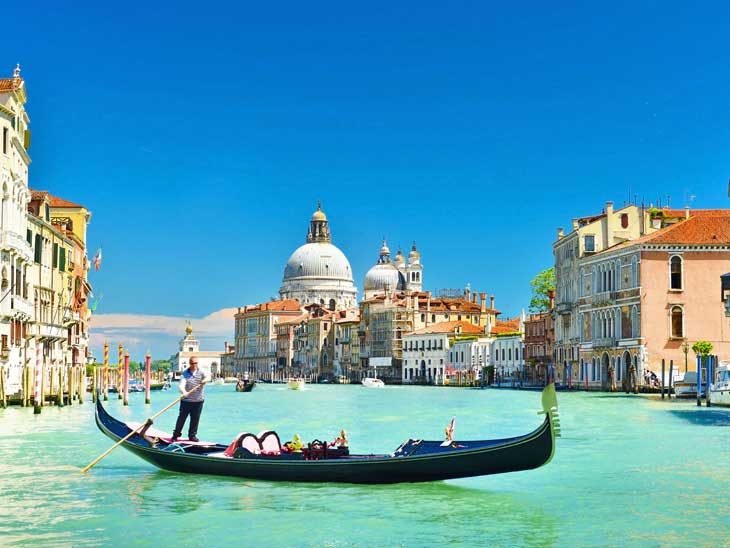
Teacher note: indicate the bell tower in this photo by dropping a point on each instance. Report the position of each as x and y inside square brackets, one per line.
[319, 229]
[414, 270]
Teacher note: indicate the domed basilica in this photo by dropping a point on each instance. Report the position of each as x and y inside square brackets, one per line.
[397, 275]
[318, 272]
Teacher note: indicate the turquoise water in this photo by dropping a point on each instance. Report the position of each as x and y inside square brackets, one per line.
[628, 471]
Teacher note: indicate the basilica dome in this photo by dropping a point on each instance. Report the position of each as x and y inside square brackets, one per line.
[318, 272]
[384, 275]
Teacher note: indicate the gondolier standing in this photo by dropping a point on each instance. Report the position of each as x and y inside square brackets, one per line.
[192, 405]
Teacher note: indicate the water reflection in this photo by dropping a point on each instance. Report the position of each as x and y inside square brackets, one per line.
[703, 417]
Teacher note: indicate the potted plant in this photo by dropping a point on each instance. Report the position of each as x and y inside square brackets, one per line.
[656, 215]
[702, 349]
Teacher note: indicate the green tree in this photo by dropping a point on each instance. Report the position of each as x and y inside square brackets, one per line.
[542, 285]
[702, 348]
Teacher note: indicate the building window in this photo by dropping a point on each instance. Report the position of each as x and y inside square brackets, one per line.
[589, 242]
[675, 273]
[624, 220]
[677, 322]
[5, 140]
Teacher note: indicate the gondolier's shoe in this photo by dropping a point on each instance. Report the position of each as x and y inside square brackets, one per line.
[193, 438]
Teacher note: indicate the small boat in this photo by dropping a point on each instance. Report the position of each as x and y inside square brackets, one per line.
[263, 457]
[372, 382]
[245, 386]
[295, 383]
[686, 387]
[720, 389]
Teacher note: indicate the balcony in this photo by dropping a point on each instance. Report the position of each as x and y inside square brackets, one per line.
[603, 297]
[604, 342]
[10, 240]
[563, 307]
[21, 307]
[47, 331]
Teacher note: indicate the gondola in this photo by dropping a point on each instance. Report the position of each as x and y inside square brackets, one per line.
[246, 386]
[413, 461]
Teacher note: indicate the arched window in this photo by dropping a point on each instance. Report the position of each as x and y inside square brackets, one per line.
[635, 332]
[675, 272]
[677, 322]
[332, 304]
[618, 274]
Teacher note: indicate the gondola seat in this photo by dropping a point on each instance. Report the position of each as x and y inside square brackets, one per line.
[270, 442]
[243, 444]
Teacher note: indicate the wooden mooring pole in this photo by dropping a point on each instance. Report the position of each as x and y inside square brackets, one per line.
[105, 378]
[126, 379]
[3, 397]
[120, 365]
[710, 363]
[662, 388]
[147, 377]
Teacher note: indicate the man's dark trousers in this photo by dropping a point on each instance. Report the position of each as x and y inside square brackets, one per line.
[192, 408]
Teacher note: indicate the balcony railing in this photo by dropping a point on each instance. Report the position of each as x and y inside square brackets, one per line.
[604, 342]
[21, 306]
[563, 307]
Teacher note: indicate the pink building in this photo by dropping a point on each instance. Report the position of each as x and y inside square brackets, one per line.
[652, 297]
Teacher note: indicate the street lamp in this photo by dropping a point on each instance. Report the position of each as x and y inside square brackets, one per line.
[685, 349]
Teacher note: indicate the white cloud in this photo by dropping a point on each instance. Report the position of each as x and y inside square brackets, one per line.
[160, 333]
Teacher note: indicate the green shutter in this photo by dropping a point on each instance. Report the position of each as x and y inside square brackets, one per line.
[29, 236]
[55, 255]
[62, 260]
[38, 248]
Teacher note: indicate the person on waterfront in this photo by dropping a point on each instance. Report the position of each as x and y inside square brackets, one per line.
[192, 379]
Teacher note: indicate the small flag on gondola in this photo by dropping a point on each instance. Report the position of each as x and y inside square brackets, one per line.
[97, 259]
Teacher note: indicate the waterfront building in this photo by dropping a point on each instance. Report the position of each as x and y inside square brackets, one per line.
[286, 344]
[399, 275]
[539, 341]
[589, 235]
[386, 317]
[228, 360]
[50, 285]
[318, 272]
[652, 297]
[16, 301]
[256, 335]
[425, 351]
[71, 220]
[467, 355]
[347, 344]
[209, 361]
[508, 355]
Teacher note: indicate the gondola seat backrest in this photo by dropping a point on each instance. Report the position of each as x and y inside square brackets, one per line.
[270, 442]
[245, 441]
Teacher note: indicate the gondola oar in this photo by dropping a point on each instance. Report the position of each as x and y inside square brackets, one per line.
[144, 426]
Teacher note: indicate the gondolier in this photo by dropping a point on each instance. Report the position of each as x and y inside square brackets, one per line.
[192, 382]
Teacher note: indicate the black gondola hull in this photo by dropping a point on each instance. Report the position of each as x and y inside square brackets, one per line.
[467, 459]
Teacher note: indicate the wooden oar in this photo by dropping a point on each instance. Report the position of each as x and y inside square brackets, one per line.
[144, 425]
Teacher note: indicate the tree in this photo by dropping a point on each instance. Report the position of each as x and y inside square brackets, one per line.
[702, 348]
[542, 286]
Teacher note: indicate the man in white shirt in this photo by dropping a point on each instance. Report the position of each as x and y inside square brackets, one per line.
[192, 382]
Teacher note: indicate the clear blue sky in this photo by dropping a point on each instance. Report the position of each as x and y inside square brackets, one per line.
[201, 137]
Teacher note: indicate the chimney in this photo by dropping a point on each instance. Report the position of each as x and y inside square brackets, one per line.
[491, 302]
[686, 212]
[225, 347]
[560, 233]
[415, 303]
[428, 302]
[474, 298]
[551, 296]
[575, 224]
[609, 226]
[483, 302]
[467, 292]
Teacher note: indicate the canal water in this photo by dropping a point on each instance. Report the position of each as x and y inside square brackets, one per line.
[628, 471]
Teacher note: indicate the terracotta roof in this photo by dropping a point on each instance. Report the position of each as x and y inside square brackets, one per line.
[38, 194]
[465, 328]
[10, 84]
[294, 320]
[289, 305]
[55, 201]
[503, 327]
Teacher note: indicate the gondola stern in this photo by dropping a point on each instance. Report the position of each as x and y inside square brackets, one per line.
[550, 409]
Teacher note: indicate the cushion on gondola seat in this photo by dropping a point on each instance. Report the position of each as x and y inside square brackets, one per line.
[270, 442]
[246, 441]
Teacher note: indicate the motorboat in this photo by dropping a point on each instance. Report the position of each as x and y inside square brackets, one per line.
[720, 389]
[686, 387]
[264, 457]
[295, 383]
[372, 382]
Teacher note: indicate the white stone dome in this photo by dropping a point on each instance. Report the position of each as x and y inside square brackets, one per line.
[318, 260]
[384, 276]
